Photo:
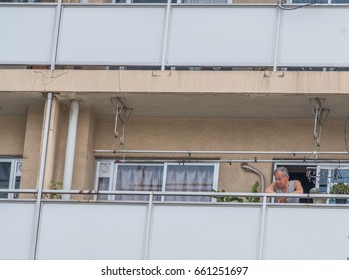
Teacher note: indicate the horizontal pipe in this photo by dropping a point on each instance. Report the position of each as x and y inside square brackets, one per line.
[188, 152]
[196, 160]
[231, 161]
[18, 191]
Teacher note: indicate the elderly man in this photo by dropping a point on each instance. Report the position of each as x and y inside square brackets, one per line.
[282, 184]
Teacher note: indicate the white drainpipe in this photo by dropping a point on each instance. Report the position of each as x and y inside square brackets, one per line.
[70, 150]
[41, 174]
[260, 174]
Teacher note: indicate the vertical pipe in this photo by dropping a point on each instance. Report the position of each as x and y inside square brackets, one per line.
[165, 43]
[41, 175]
[70, 149]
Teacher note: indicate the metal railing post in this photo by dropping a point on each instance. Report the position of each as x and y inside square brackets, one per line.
[148, 227]
[56, 34]
[260, 255]
[277, 37]
[165, 42]
[37, 214]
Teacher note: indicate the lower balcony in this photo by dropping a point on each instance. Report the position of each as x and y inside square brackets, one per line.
[83, 228]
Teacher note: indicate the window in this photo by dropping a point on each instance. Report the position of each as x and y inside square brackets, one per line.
[321, 175]
[186, 177]
[328, 175]
[165, 1]
[319, 1]
[10, 176]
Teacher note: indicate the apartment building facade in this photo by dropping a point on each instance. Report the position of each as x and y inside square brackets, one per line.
[171, 97]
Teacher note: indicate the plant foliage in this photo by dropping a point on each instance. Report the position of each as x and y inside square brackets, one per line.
[340, 188]
[229, 198]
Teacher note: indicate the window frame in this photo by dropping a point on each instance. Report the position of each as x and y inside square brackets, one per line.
[329, 167]
[326, 2]
[15, 171]
[319, 166]
[114, 171]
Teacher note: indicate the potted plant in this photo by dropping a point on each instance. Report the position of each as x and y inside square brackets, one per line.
[228, 198]
[318, 200]
[340, 188]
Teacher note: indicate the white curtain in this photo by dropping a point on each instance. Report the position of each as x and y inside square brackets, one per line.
[189, 178]
[204, 1]
[138, 178]
[181, 178]
[5, 168]
[103, 185]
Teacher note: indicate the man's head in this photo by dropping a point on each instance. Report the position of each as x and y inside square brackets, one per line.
[281, 177]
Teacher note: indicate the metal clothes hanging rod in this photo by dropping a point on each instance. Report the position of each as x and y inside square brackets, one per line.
[231, 161]
[294, 153]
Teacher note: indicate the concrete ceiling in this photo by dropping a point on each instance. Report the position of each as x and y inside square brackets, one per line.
[235, 106]
[176, 105]
[16, 104]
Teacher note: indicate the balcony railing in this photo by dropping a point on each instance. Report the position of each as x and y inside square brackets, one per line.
[83, 228]
[165, 36]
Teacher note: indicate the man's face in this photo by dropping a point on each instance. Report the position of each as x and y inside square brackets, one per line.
[280, 181]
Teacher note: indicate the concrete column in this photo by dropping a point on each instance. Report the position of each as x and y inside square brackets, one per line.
[84, 159]
[32, 149]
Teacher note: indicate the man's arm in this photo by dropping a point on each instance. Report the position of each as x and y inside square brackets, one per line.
[270, 188]
[298, 187]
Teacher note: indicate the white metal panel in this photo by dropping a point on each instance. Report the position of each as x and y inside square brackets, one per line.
[222, 36]
[16, 234]
[26, 34]
[197, 232]
[315, 37]
[91, 231]
[307, 233]
[111, 35]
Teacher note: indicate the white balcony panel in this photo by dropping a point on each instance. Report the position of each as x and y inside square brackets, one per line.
[222, 36]
[315, 36]
[196, 232]
[307, 233]
[91, 231]
[26, 34]
[16, 234]
[111, 35]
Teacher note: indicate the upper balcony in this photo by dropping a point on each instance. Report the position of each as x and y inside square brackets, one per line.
[175, 36]
[178, 36]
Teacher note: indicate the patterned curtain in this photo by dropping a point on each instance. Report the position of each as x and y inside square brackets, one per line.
[189, 178]
[138, 178]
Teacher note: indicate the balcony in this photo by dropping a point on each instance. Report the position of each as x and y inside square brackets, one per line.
[83, 228]
[220, 36]
[65, 39]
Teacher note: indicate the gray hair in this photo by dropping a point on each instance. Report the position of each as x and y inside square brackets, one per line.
[281, 169]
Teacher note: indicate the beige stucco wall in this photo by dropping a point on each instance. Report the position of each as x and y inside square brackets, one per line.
[84, 159]
[224, 135]
[96, 133]
[32, 148]
[12, 131]
[22, 135]
[75, 81]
